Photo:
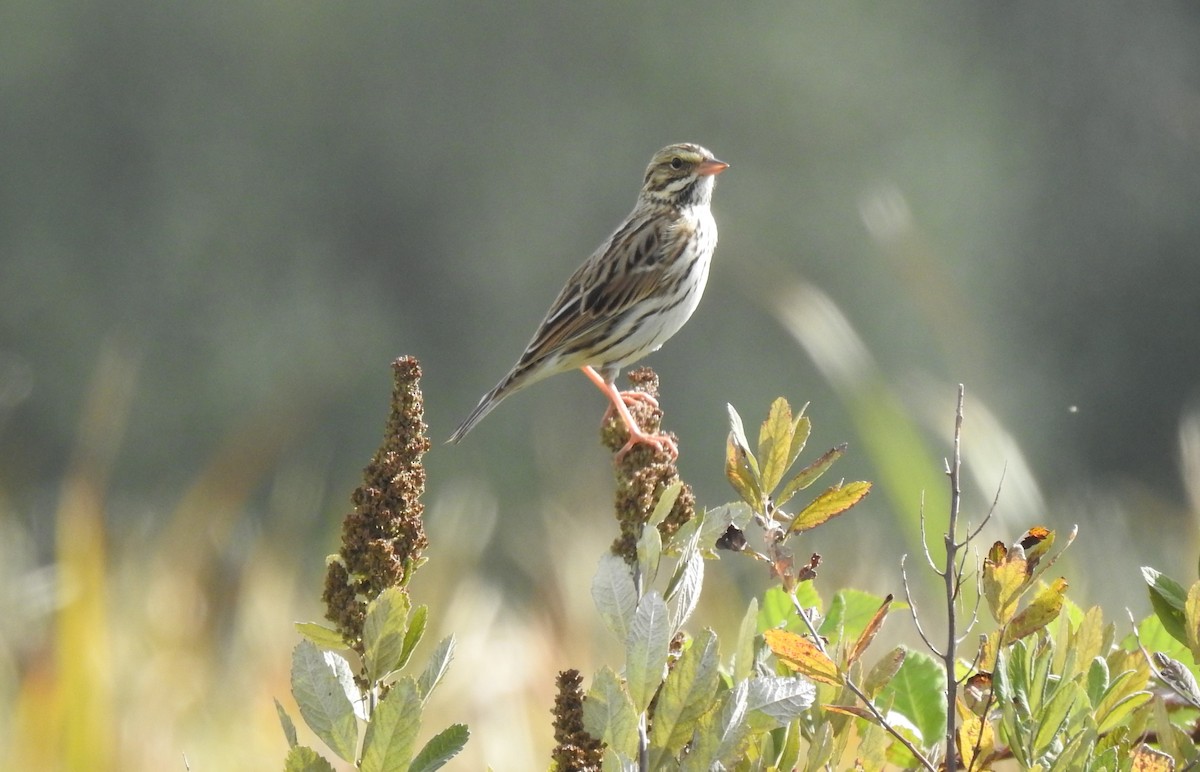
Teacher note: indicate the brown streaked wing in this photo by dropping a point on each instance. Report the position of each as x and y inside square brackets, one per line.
[601, 289]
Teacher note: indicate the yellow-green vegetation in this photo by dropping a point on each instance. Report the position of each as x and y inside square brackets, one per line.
[803, 682]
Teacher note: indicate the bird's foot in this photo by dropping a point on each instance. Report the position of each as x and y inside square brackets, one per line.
[660, 442]
[631, 398]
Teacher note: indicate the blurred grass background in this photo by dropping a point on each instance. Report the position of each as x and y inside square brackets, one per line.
[219, 222]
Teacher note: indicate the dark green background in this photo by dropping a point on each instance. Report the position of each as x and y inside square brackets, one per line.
[260, 204]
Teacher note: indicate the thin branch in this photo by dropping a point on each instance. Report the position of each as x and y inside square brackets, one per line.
[992, 509]
[912, 609]
[860, 694]
[951, 578]
[924, 540]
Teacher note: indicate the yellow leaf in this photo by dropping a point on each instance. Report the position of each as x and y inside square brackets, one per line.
[802, 655]
[1146, 759]
[775, 443]
[809, 474]
[851, 710]
[829, 505]
[1003, 582]
[976, 739]
[1044, 608]
[868, 633]
[1191, 619]
[1036, 542]
[739, 469]
[986, 658]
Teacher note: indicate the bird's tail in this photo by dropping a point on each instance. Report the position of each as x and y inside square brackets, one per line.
[511, 382]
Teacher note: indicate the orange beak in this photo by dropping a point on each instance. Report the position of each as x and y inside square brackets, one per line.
[711, 167]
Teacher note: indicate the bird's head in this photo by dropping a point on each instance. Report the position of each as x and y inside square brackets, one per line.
[682, 175]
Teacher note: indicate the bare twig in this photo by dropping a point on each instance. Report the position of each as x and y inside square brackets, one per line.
[859, 693]
[925, 540]
[912, 608]
[951, 579]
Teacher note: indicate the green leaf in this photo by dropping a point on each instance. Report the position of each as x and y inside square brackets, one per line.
[1118, 713]
[849, 613]
[740, 465]
[1124, 693]
[1191, 620]
[820, 747]
[664, 505]
[646, 649]
[809, 474]
[731, 729]
[801, 429]
[777, 608]
[383, 632]
[1055, 715]
[1097, 680]
[686, 694]
[743, 653]
[303, 759]
[392, 731]
[322, 636]
[442, 747]
[718, 519]
[289, 728]
[702, 751]
[435, 669]
[884, 671]
[737, 434]
[918, 692]
[649, 553]
[614, 594]
[415, 632]
[831, 503]
[1169, 600]
[318, 684]
[608, 713]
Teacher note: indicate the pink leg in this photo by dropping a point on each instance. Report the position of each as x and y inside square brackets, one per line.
[619, 400]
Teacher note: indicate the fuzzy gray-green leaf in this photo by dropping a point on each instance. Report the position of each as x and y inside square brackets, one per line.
[646, 649]
[686, 593]
[435, 669]
[614, 594]
[783, 698]
[608, 713]
[383, 632]
[318, 686]
[289, 728]
[743, 653]
[304, 759]
[392, 732]
[686, 695]
[664, 505]
[442, 747]
[413, 633]
[649, 553]
[322, 636]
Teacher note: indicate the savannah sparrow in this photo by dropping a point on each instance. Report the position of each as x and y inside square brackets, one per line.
[635, 291]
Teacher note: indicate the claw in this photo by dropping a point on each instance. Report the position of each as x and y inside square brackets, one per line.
[620, 401]
[659, 442]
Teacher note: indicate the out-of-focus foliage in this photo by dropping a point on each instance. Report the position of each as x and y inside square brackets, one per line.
[238, 212]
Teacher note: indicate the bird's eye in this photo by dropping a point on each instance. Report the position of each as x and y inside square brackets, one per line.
[676, 163]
